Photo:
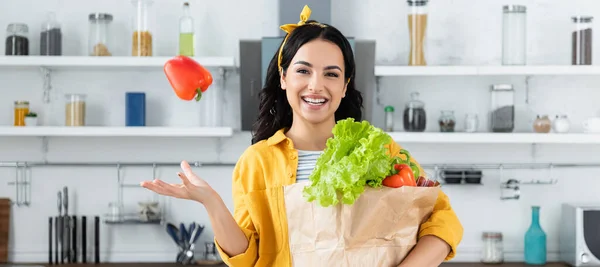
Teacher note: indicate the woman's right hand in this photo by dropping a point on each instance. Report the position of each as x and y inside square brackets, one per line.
[192, 188]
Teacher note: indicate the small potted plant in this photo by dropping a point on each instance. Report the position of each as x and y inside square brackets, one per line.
[31, 119]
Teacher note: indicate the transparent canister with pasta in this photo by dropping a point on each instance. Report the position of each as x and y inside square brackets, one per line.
[75, 109]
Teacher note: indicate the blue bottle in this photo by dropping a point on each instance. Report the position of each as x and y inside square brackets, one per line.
[535, 240]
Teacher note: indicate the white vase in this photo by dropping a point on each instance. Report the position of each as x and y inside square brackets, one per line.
[30, 121]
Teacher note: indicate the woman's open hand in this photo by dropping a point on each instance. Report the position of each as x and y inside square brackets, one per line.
[192, 188]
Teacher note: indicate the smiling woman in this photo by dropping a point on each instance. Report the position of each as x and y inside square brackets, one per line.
[309, 86]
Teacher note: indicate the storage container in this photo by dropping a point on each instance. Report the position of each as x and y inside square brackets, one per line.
[582, 41]
[21, 108]
[99, 39]
[75, 109]
[514, 35]
[51, 37]
[502, 115]
[417, 28]
[142, 39]
[493, 249]
[17, 40]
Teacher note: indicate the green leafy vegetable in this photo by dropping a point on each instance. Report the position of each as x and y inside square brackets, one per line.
[354, 157]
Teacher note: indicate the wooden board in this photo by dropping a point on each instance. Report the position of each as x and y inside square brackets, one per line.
[4, 227]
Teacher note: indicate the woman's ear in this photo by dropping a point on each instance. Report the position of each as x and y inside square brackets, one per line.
[282, 80]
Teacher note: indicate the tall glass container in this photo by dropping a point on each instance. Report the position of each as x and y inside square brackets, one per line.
[502, 116]
[417, 28]
[415, 117]
[51, 37]
[187, 43]
[17, 39]
[75, 110]
[142, 39]
[99, 34]
[581, 39]
[21, 109]
[514, 35]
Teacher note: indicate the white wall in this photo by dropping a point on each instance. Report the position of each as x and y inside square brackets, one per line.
[461, 32]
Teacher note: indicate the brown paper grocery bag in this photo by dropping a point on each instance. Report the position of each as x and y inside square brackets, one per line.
[379, 229]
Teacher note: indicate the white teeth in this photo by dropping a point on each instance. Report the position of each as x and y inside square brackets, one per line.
[314, 101]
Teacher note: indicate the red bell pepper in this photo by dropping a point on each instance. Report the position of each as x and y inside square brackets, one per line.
[188, 78]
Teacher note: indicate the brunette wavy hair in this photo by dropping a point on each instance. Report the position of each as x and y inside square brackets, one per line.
[275, 112]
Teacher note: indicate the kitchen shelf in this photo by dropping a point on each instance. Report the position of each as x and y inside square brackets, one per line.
[495, 138]
[99, 131]
[485, 70]
[106, 63]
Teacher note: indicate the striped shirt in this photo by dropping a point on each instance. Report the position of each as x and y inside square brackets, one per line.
[307, 161]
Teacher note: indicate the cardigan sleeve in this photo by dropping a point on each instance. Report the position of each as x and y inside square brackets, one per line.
[443, 222]
[242, 216]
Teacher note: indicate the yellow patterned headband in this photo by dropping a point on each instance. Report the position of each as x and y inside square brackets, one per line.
[289, 28]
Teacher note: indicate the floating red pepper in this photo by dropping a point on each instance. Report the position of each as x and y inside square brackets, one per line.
[188, 78]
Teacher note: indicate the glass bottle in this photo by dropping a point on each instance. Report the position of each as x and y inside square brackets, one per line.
[389, 119]
[17, 39]
[186, 32]
[502, 116]
[493, 249]
[21, 109]
[514, 35]
[51, 37]
[415, 118]
[581, 39]
[447, 121]
[417, 28]
[142, 39]
[99, 34]
[535, 240]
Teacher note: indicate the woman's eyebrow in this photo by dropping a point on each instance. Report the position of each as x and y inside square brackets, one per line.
[310, 65]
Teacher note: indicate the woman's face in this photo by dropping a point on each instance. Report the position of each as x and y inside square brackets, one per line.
[314, 82]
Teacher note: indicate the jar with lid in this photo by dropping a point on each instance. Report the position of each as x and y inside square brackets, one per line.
[17, 39]
[561, 124]
[51, 37]
[99, 34]
[581, 40]
[542, 124]
[417, 27]
[514, 35]
[447, 121]
[471, 123]
[493, 249]
[389, 119]
[21, 109]
[502, 116]
[414, 119]
[75, 110]
[142, 39]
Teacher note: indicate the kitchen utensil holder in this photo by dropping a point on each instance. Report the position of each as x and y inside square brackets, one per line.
[22, 185]
[514, 185]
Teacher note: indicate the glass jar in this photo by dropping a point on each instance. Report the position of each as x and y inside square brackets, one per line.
[211, 108]
[581, 41]
[471, 123]
[447, 121]
[417, 28]
[389, 119]
[17, 39]
[542, 124]
[502, 116]
[493, 249]
[561, 124]
[51, 37]
[21, 109]
[415, 118]
[514, 35]
[141, 43]
[75, 110]
[99, 35]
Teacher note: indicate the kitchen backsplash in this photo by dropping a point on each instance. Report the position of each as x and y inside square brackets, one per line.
[460, 32]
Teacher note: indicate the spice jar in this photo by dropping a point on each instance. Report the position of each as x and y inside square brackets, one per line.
[447, 121]
[502, 116]
[414, 119]
[75, 110]
[471, 123]
[21, 109]
[99, 34]
[542, 124]
[389, 118]
[51, 37]
[514, 37]
[561, 124]
[141, 43]
[581, 41]
[417, 24]
[17, 40]
[493, 249]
